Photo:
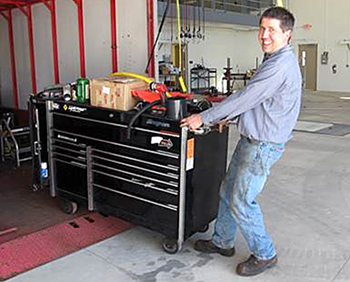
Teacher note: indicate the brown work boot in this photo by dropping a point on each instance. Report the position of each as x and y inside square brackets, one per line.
[207, 246]
[254, 266]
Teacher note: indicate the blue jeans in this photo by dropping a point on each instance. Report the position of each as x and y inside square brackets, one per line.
[244, 180]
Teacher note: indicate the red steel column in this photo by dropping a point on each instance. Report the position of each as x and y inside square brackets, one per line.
[8, 17]
[114, 36]
[150, 33]
[81, 37]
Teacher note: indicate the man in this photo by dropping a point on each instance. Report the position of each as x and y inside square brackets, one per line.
[268, 108]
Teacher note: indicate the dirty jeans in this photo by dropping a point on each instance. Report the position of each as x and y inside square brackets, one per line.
[244, 180]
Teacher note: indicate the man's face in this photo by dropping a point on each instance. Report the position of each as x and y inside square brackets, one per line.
[271, 36]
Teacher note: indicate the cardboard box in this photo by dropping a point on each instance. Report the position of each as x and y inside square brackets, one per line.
[115, 92]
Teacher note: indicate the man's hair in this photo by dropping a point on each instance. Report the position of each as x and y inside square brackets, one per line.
[285, 17]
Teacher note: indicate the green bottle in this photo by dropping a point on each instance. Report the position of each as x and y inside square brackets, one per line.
[82, 90]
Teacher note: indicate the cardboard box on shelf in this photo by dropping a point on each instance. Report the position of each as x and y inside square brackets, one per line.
[115, 92]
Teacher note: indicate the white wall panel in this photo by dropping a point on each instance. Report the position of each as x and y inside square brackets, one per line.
[330, 23]
[97, 38]
[241, 47]
[43, 46]
[7, 99]
[22, 57]
[132, 35]
[68, 40]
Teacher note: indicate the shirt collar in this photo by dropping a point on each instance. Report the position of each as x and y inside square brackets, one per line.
[280, 51]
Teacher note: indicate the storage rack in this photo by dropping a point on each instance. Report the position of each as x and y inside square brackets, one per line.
[202, 79]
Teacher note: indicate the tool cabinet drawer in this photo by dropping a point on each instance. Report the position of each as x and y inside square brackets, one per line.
[115, 132]
[147, 181]
[134, 186]
[164, 175]
[69, 149]
[71, 178]
[137, 210]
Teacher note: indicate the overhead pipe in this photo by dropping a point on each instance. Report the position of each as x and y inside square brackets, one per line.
[8, 17]
[114, 36]
[51, 5]
[150, 36]
[79, 4]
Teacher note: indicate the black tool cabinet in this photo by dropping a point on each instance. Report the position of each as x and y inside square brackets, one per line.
[163, 177]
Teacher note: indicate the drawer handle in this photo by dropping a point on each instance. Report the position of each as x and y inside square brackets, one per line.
[78, 164]
[149, 185]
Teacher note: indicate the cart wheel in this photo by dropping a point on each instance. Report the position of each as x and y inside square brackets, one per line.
[69, 207]
[170, 246]
[204, 229]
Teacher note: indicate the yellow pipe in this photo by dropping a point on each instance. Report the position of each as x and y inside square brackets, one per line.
[178, 31]
[129, 74]
[181, 80]
[279, 3]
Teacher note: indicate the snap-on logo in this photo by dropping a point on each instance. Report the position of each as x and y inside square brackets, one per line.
[157, 123]
[162, 142]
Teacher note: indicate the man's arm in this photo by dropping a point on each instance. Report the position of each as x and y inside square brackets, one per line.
[263, 85]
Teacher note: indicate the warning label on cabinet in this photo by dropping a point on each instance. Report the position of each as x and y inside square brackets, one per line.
[190, 154]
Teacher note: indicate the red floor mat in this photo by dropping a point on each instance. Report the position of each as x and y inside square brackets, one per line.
[38, 248]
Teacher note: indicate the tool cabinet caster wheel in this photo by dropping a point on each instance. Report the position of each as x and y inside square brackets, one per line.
[170, 246]
[69, 207]
[204, 229]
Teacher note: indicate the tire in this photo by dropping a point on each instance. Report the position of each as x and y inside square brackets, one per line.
[170, 246]
[69, 207]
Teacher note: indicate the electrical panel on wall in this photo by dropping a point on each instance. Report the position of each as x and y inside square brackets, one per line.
[324, 58]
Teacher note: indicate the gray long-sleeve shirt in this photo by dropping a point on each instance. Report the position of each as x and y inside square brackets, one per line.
[268, 106]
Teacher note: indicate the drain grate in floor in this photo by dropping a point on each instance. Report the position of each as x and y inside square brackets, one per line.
[336, 130]
[323, 128]
[310, 126]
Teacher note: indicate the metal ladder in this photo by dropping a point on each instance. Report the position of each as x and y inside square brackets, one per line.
[14, 140]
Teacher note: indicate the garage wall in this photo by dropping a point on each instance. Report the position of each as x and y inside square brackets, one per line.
[131, 44]
[241, 46]
[330, 22]
[222, 41]
[5, 66]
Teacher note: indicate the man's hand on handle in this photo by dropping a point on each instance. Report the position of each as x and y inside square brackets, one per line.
[193, 122]
[222, 125]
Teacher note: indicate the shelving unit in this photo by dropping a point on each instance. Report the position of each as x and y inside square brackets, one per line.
[202, 79]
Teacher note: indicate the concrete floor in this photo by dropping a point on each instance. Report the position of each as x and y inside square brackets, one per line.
[306, 204]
